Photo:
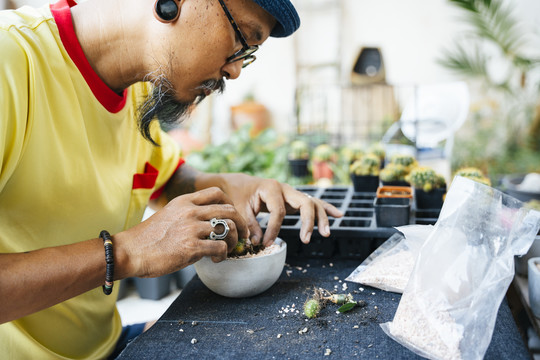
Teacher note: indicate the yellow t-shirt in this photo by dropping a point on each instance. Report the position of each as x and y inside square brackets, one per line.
[72, 163]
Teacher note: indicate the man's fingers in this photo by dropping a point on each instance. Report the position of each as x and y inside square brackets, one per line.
[225, 211]
[216, 249]
[208, 196]
[256, 234]
[229, 232]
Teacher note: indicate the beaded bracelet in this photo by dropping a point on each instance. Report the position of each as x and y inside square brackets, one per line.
[109, 259]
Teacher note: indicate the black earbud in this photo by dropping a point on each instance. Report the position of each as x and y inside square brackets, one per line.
[166, 10]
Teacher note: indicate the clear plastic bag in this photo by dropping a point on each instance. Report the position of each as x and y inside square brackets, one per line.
[462, 272]
[390, 266]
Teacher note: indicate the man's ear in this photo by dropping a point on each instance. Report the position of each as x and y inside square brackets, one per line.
[167, 11]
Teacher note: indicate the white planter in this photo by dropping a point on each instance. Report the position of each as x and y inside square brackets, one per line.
[521, 262]
[534, 285]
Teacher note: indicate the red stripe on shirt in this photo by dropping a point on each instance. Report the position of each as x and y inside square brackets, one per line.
[108, 98]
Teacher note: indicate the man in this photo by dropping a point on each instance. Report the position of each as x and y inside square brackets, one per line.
[74, 161]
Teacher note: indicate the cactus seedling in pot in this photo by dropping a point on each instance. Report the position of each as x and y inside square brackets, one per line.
[298, 158]
[365, 173]
[473, 174]
[322, 161]
[429, 187]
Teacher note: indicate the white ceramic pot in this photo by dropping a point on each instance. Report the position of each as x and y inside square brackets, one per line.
[534, 285]
[522, 262]
[243, 277]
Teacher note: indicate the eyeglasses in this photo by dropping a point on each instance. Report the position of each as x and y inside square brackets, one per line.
[246, 52]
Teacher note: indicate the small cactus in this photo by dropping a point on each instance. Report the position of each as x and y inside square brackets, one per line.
[394, 172]
[323, 152]
[425, 178]
[298, 150]
[369, 164]
[474, 174]
[407, 161]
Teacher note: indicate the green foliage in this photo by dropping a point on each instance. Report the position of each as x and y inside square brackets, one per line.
[263, 155]
[506, 128]
[368, 164]
[425, 178]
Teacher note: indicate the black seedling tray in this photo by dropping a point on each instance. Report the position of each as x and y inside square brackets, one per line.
[353, 236]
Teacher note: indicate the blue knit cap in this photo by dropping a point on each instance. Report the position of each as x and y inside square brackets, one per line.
[285, 14]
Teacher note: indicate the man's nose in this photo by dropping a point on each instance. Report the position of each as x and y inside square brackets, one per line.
[232, 70]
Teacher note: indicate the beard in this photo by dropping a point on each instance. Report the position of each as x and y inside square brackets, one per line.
[161, 104]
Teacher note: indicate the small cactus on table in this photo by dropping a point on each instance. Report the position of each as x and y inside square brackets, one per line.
[425, 178]
[369, 164]
[408, 161]
[473, 174]
[298, 150]
[394, 172]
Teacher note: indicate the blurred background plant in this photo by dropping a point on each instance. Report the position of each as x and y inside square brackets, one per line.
[502, 135]
[263, 155]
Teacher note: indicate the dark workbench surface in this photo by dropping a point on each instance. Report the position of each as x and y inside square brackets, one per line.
[249, 328]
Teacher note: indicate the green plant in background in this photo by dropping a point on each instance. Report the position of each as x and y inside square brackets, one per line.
[264, 155]
[473, 174]
[298, 150]
[503, 132]
[425, 178]
[369, 164]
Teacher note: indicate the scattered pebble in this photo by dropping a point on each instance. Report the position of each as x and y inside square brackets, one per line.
[249, 331]
[375, 307]
[355, 327]
[279, 336]
[327, 352]
[303, 331]
[181, 330]
[304, 271]
[288, 272]
[194, 323]
[331, 264]
[372, 293]
[336, 278]
[193, 341]
[361, 289]
[370, 345]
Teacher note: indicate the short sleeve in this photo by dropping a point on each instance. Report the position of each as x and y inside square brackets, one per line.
[14, 99]
[166, 157]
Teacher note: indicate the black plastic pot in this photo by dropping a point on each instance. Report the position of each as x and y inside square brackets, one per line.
[395, 183]
[299, 167]
[365, 183]
[429, 200]
[392, 211]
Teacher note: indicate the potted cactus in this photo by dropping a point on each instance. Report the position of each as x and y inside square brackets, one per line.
[394, 174]
[473, 174]
[397, 169]
[429, 187]
[365, 173]
[322, 162]
[298, 158]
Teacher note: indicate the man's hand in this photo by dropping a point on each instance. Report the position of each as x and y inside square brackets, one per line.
[177, 235]
[252, 195]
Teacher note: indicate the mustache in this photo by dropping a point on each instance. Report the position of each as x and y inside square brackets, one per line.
[211, 85]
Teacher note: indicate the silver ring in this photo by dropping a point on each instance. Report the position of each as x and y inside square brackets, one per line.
[309, 196]
[223, 235]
